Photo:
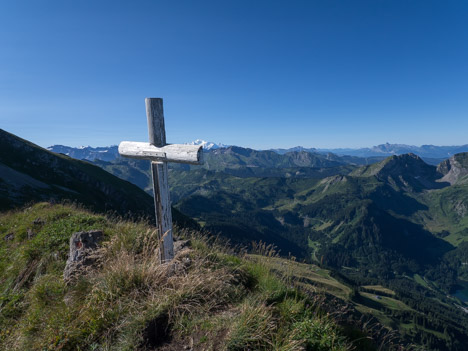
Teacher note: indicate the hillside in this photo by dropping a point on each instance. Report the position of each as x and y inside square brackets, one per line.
[240, 162]
[209, 299]
[388, 204]
[331, 217]
[30, 173]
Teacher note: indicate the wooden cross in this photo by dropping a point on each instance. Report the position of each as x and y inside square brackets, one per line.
[160, 154]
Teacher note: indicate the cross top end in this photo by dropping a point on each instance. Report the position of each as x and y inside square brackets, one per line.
[155, 115]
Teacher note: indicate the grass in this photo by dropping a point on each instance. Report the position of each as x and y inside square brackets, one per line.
[446, 212]
[418, 279]
[309, 277]
[387, 302]
[208, 298]
[379, 289]
[318, 282]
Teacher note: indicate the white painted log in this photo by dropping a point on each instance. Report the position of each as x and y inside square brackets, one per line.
[179, 153]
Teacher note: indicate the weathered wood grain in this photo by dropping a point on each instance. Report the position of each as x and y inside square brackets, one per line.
[162, 202]
[191, 154]
[155, 116]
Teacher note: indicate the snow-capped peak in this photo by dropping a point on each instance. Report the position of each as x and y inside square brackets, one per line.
[207, 145]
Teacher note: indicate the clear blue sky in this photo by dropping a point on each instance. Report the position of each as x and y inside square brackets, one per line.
[252, 73]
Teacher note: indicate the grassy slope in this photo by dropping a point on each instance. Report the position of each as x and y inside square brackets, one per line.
[448, 212]
[212, 300]
[64, 178]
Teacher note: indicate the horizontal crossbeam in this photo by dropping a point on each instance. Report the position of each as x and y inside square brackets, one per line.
[192, 154]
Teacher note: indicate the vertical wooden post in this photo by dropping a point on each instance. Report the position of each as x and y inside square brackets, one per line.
[162, 202]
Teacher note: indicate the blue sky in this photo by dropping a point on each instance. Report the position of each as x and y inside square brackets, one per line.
[252, 73]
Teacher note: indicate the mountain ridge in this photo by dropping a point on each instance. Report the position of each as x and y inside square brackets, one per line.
[30, 172]
[406, 171]
[387, 149]
[430, 153]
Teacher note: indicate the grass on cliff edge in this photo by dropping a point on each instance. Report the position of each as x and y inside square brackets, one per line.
[210, 300]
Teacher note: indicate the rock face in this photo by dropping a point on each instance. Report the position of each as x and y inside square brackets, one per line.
[82, 245]
[455, 169]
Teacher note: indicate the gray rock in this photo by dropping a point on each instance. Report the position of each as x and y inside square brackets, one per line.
[9, 236]
[30, 233]
[38, 221]
[82, 245]
[180, 245]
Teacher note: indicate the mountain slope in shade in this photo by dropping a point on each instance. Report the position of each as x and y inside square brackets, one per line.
[31, 173]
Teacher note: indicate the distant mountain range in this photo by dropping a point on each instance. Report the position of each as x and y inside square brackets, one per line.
[207, 145]
[110, 153]
[430, 153]
[424, 151]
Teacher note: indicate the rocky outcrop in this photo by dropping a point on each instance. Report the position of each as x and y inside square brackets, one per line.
[82, 247]
[455, 169]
